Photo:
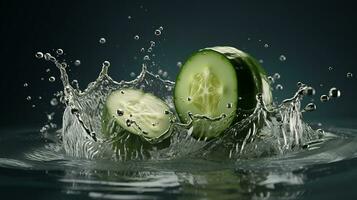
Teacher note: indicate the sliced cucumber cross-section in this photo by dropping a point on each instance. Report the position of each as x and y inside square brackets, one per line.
[138, 112]
[216, 81]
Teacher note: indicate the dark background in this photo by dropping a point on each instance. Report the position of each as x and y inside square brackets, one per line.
[313, 35]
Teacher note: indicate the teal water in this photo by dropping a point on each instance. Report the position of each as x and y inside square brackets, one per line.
[32, 167]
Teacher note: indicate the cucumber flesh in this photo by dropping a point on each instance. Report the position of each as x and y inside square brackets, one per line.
[139, 113]
[216, 81]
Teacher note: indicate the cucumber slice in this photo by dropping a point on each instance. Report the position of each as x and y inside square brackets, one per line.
[216, 81]
[140, 113]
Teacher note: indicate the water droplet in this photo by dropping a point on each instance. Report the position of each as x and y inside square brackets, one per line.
[282, 58]
[299, 84]
[64, 64]
[39, 55]
[324, 98]
[229, 105]
[320, 131]
[248, 38]
[75, 84]
[129, 17]
[28, 98]
[136, 37]
[349, 75]
[152, 43]
[59, 52]
[77, 62]
[161, 28]
[52, 79]
[120, 112]
[47, 56]
[276, 76]
[179, 64]
[188, 98]
[146, 57]
[149, 50]
[54, 102]
[271, 80]
[309, 91]
[39, 97]
[26, 84]
[106, 63]
[33, 106]
[330, 68]
[164, 74]
[266, 45]
[132, 74]
[159, 71]
[334, 93]
[157, 32]
[102, 40]
[142, 50]
[279, 87]
[261, 61]
[48, 70]
[310, 107]
[167, 112]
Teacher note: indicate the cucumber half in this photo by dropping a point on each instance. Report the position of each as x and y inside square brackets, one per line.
[137, 112]
[216, 81]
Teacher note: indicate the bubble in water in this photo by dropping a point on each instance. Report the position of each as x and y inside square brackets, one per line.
[146, 57]
[54, 102]
[59, 52]
[106, 63]
[349, 75]
[309, 91]
[266, 45]
[52, 79]
[136, 37]
[179, 64]
[276, 76]
[26, 84]
[164, 74]
[77, 62]
[310, 107]
[39, 55]
[282, 58]
[330, 68]
[157, 32]
[324, 98]
[279, 87]
[102, 40]
[132, 74]
[334, 92]
[28, 98]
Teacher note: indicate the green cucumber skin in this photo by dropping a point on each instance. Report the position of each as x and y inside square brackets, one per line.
[247, 70]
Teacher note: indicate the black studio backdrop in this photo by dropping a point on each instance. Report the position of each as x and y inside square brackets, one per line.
[313, 35]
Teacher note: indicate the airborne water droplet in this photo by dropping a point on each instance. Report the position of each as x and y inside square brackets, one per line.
[54, 102]
[334, 92]
[146, 57]
[282, 58]
[279, 87]
[266, 45]
[132, 74]
[26, 84]
[309, 91]
[52, 79]
[106, 63]
[77, 63]
[276, 76]
[310, 107]
[179, 64]
[102, 40]
[157, 32]
[164, 74]
[59, 52]
[136, 37]
[39, 55]
[349, 75]
[324, 98]
[28, 98]
[330, 68]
